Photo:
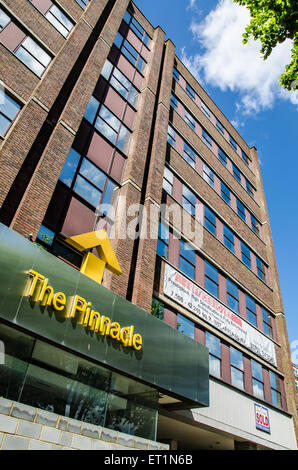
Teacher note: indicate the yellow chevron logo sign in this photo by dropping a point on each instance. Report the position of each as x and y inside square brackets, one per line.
[92, 266]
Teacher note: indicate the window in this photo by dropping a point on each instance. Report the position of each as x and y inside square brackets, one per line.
[4, 20]
[237, 370]
[171, 136]
[249, 188]
[228, 238]
[139, 31]
[241, 210]
[93, 185]
[222, 156]
[186, 326]
[189, 200]
[207, 139]
[120, 83]
[261, 269]
[211, 279]
[255, 225]
[257, 379]
[70, 167]
[220, 127]
[233, 143]
[213, 344]
[83, 3]
[163, 240]
[168, 181]
[225, 193]
[251, 312]
[210, 220]
[108, 124]
[232, 296]
[190, 91]
[189, 120]
[244, 157]
[208, 175]
[187, 259]
[32, 55]
[59, 20]
[245, 255]
[9, 110]
[176, 74]
[174, 101]
[205, 110]
[45, 236]
[236, 173]
[275, 389]
[130, 52]
[189, 155]
[267, 323]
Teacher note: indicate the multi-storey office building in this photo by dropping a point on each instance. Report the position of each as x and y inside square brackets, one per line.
[102, 126]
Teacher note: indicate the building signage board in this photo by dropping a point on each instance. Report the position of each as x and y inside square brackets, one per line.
[189, 295]
[262, 418]
[50, 299]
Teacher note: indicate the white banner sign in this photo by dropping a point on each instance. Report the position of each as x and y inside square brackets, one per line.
[188, 294]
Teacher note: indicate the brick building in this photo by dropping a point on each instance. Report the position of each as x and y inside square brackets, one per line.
[98, 117]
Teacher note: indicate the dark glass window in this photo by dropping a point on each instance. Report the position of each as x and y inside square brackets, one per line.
[187, 259]
[237, 370]
[257, 379]
[171, 136]
[176, 74]
[245, 255]
[267, 323]
[222, 156]
[70, 167]
[255, 225]
[210, 220]
[9, 110]
[33, 55]
[244, 157]
[208, 175]
[213, 344]
[261, 269]
[189, 200]
[251, 312]
[4, 20]
[186, 326]
[225, 193]
[168, 181]
[241, 210]
[189, 119]
[236, 173]
[207, 139]
[190, 91]
[205, 110]
[83, 3]
[249, 188]
[211, 279]
[220, 127]
[189, 155]
[228, 238]
[163, 240]
[232, 296]
[174, 101]
[59, 20]
[120, 83]
[130, 52]
[233, 143]
[275, 389]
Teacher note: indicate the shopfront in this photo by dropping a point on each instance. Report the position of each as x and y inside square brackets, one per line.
[75, 348]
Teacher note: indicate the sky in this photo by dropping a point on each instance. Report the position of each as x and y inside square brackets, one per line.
[208, 39]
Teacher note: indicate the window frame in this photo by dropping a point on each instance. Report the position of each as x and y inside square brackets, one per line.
[231, 286]
[251, 310]
[186, 260]
[234, 366]
[208, 222]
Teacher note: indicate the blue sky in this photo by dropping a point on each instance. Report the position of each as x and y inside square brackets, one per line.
[207, 36]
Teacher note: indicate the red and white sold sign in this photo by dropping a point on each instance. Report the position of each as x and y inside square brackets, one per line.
[262, 418]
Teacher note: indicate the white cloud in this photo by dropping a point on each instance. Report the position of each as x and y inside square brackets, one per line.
[229, 64]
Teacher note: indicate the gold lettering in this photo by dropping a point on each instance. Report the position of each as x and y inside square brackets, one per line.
[59, 301]
[105, 325]
[46, 294]
[94, 321]
[137, 342]
[131, 335]
[124, 335]
[115, 331]
[35, 277]
[79, 304]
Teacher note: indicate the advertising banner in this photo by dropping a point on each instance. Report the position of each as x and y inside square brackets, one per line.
[206, 307]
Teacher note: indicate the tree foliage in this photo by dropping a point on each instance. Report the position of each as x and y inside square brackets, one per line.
[272, 22]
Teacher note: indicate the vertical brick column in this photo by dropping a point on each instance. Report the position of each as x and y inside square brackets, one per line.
[145, 266]
[136, 168]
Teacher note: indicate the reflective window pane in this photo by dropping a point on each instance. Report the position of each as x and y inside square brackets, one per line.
[186, 326]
